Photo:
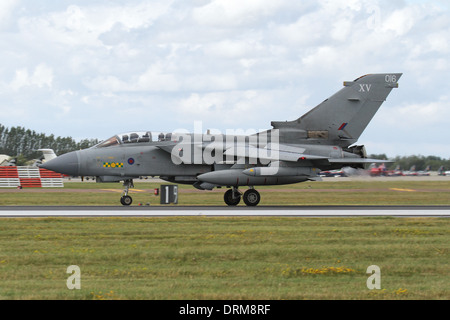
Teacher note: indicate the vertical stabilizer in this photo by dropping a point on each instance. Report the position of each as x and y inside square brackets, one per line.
[342, 118]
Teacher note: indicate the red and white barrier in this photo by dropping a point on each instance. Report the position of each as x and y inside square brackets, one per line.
[29, 177]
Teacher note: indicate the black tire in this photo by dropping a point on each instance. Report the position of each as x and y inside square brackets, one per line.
[228, 198]
[126, 200]
[251, 197]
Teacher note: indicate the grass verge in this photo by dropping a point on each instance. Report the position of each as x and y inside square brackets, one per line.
[224, 258]
[308, 193]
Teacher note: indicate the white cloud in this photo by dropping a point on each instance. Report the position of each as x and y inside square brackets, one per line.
[157, 78]
[234, 13]
[42, 76]
[438, 42]
[234, 49]
[230, 105]
[420, 115]
[339, 5]
[82, 26]
[402, 21]
[6, 11]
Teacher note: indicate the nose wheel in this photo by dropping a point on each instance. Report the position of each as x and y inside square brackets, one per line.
[126, 200]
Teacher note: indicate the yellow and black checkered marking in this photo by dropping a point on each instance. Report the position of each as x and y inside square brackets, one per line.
[112, 164]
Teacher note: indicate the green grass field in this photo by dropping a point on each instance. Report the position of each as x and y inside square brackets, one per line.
[228, 257]
[224, 258]
[364, 192]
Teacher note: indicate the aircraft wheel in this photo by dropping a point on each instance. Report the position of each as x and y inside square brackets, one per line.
[126, 200]
[251, 197]
[228, 197]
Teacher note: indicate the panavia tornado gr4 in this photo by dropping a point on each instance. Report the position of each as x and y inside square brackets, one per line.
[292, 151]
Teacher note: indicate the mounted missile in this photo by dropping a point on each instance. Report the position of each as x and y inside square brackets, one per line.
[275, 171]
[237, 177]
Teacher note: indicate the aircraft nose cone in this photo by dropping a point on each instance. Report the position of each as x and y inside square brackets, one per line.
[67, 164]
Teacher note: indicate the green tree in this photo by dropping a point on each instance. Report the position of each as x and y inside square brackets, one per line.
[23, 143]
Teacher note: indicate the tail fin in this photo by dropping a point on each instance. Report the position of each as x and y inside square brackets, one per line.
[342, 118]
[49, 154]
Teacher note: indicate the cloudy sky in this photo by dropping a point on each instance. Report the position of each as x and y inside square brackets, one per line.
[90, 69]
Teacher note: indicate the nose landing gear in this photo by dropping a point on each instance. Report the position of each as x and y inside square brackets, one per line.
[126, 200]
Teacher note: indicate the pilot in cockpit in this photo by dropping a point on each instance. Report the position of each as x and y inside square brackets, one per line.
[146, 137]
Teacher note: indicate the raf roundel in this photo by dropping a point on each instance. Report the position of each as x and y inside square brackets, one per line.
[131, 161]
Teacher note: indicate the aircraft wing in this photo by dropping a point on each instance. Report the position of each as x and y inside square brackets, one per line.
[277, 152]
[357, 160]
[291, 154]
[270, 154]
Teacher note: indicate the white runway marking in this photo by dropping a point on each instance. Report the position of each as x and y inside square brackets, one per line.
[224, 212]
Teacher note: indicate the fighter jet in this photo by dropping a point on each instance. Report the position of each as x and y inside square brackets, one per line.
[290, 152]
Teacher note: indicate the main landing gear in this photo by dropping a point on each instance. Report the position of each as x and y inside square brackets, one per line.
[126, 200]
[233, 196]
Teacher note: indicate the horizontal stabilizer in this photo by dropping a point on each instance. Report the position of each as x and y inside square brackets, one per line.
[357, 160]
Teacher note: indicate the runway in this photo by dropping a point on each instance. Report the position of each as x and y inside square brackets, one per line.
[269, 211]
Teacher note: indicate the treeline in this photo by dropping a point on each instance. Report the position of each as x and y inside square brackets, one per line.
[420, 162]
[22, 143]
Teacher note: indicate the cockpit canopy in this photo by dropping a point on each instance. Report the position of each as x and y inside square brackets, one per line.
[134, 137]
